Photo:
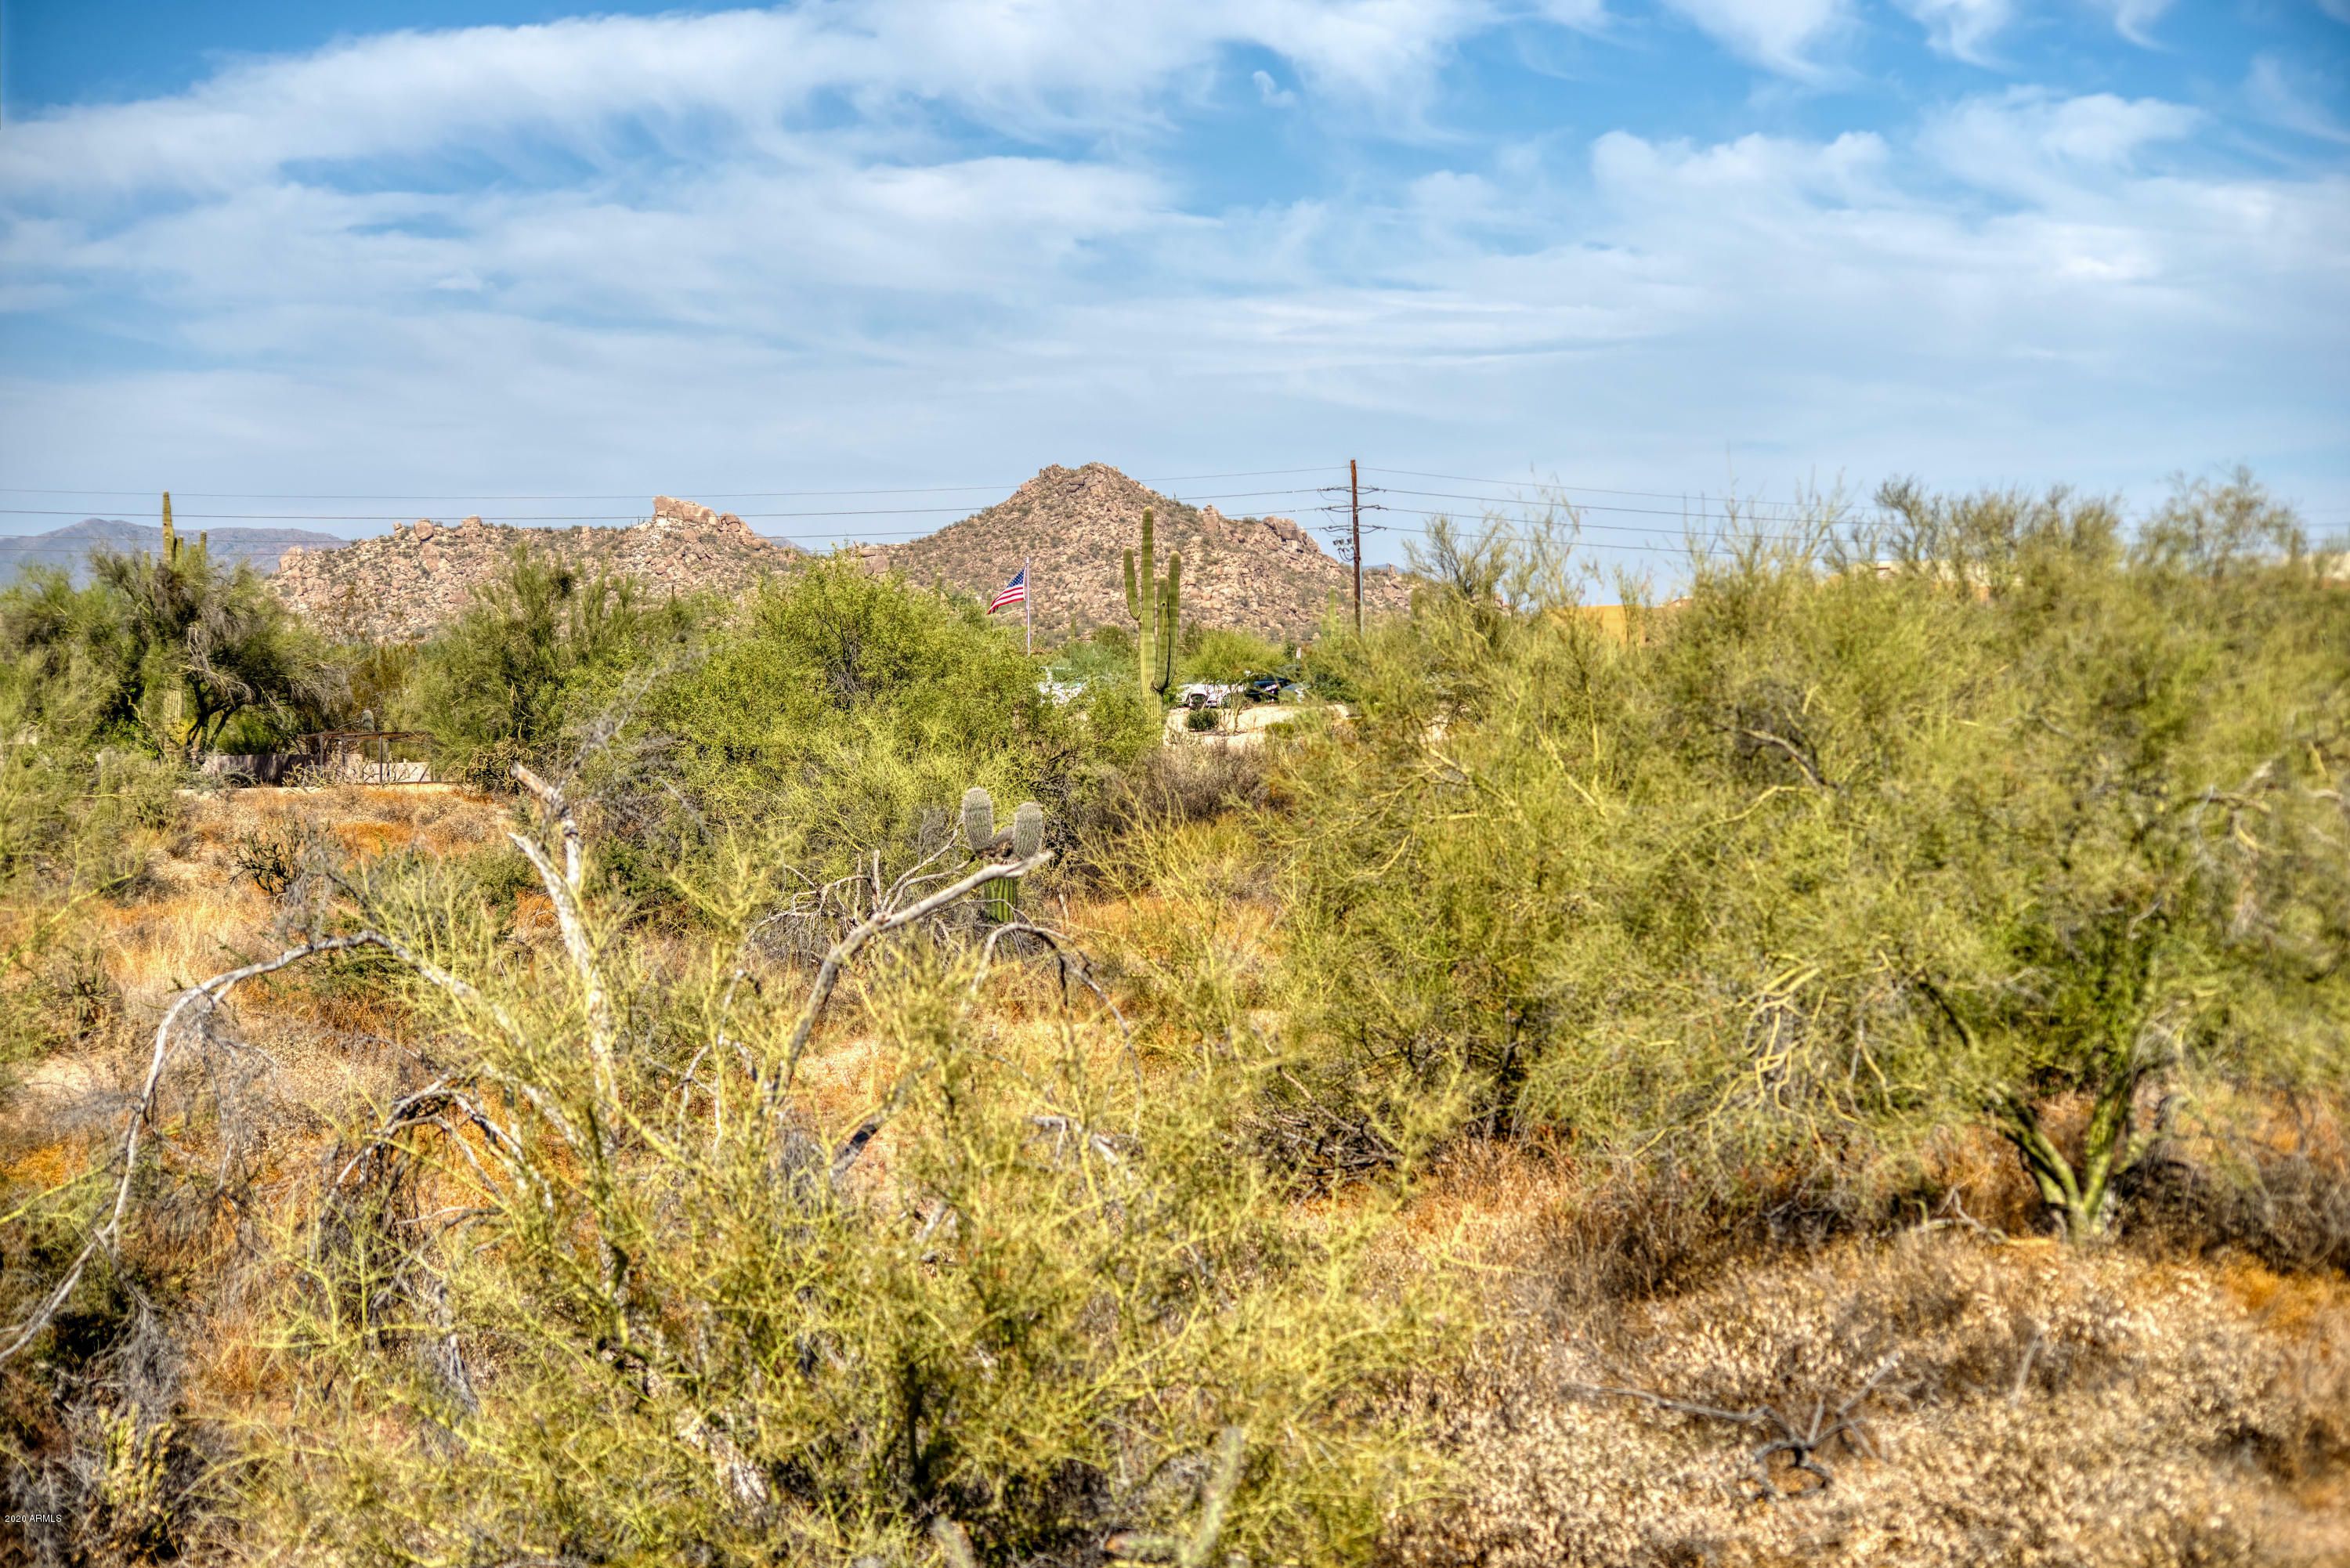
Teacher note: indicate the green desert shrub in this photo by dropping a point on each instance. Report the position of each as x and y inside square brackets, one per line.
[537, 651]
[846, 712]
[2002, 811]
[163, 654]
[1227, 653]
[616, 1284]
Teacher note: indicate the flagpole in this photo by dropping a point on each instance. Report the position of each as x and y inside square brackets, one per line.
[1028, 604]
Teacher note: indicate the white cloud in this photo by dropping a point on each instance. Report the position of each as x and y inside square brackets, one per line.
[1588, 16]
[2285, 96]
[2035, 144]
[1779, 33]
[1041, 70]
[1963, 29]
[768, 300]
[2135, 19]
[1271, 92]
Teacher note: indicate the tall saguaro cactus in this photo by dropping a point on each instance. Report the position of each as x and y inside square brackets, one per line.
[1157, 608]
[171, 536]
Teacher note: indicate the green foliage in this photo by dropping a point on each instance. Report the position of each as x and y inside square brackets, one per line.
[375, 680]
[534, 653]
[1122, 721]
[845, 711]
[1107, 655]
[168, 652]
[1227, 653]
[1844, 850]
[675, 1320]
[200, 646]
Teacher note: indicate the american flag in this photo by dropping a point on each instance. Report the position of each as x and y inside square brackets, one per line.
[1014, 592]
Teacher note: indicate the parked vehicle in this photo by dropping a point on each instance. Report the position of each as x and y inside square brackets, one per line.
[1209, 694]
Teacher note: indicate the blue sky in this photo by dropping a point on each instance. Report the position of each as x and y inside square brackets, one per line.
[343, 262]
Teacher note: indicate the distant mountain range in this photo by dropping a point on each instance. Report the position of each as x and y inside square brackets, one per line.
[71, 546]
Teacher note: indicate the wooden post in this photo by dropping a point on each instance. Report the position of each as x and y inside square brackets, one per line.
[1354, 490]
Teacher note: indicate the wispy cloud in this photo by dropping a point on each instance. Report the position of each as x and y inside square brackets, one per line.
[2135, 19]
[1962, 29]
[1781, 35]
[1271, 93]
[2285, 94]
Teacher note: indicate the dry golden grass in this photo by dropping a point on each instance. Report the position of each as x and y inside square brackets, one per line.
[2037, 1405]
[2045, 1408]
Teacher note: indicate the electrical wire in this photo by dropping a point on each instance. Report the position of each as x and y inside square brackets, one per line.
[598, 517]
[1539, 485]
[632, 495]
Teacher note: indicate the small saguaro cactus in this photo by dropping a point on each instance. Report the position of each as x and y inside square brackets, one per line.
[978, 820]
[1155, 607]
[1000, 901]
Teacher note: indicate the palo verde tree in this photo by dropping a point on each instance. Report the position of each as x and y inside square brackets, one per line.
[170, 648]
[2003, 819]
[845, 710]
[2155, 857]
[612, 1282]
[533, 648]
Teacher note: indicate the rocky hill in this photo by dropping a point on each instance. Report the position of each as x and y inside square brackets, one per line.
[1074, 526]
[71, 546]
[399, 588]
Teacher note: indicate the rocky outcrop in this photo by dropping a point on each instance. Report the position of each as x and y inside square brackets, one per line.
[400, 587]
[1074, 525]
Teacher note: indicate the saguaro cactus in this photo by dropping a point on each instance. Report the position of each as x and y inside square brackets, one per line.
[978, 820]
[1001, 901]
[1156, 607]
[171, 536]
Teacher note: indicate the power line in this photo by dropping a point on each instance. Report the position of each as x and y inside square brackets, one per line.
[1650, 529]
[1578, 489]
[1592, 506]
[632, 495]
[527, 518]
[998, 488]
[1661, 495]
[1680, 549]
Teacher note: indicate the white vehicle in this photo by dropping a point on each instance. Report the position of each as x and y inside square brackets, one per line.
[1208, 694]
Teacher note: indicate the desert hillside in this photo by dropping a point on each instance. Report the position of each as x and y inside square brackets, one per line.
[397, 587]
[1075, 524]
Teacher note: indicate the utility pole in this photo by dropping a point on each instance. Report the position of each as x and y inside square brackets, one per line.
[1354, 492]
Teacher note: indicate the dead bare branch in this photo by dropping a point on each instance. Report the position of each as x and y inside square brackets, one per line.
[1801, 1438]
[881, 922]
